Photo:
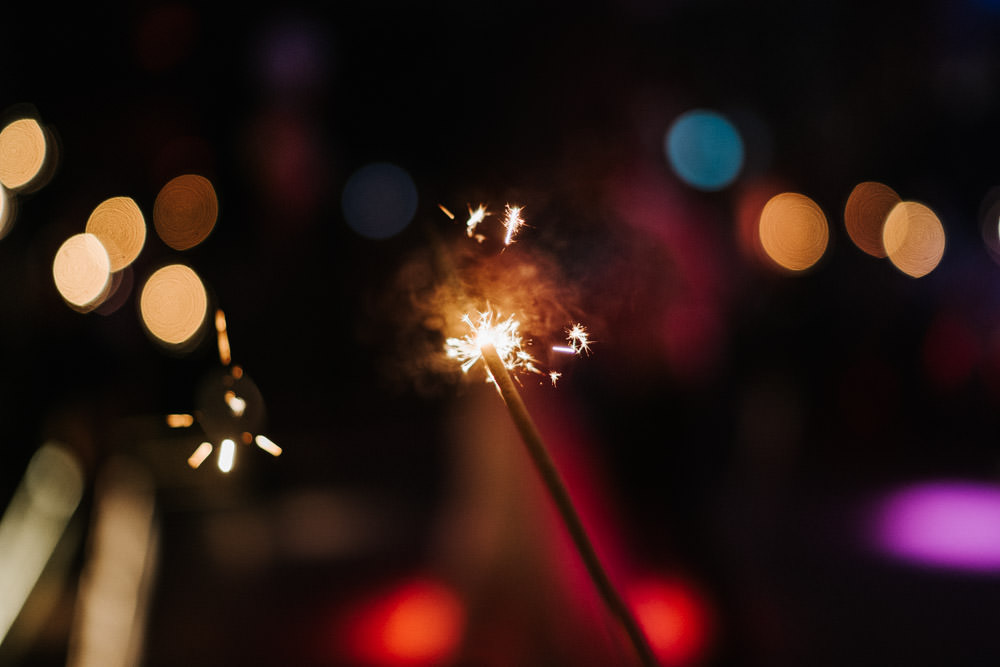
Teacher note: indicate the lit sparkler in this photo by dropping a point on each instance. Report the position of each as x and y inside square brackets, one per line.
[498, 342]
[503, 334]
[512, 222]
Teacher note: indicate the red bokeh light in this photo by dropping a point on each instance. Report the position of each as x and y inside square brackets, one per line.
[418, 622]
[674, 617]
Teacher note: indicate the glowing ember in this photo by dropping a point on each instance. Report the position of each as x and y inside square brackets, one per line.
[179, 420]
[200, 454]
[475, 217]
[554, 376]
[448, 213]
[512, 222]
[503, 334]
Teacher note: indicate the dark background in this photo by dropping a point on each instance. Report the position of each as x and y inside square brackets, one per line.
[739, 417]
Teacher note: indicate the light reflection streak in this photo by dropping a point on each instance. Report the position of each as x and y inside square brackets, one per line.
[33, 524]
[113, 601]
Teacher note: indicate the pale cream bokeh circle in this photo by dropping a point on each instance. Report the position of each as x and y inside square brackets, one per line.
[173, 304]
[793, 231]
[914, 238]
[82, 271]
[23, 149]
[119, 224]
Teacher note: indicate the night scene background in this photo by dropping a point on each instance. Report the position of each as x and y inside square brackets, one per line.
[781, 440]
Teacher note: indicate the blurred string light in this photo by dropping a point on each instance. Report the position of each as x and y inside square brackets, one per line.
[121, 228]
[33, 524]
[112, 604]
[793, 231]
[28, 158]
[230, 410]
[173, 306]
[82, 271]
[946, 524]
[379, 200]
[88, 268]
[914, 238]
[24, 154]
[865, 214]
[185, 211]
[418, 622]
[705, 149]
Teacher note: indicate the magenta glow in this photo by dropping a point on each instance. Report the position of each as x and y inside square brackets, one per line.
[947, 524]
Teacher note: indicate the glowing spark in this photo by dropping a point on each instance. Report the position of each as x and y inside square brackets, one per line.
[503, 334]
[179, 421]
[446, 211]
[225, 356]
[554, 376]
[236, 404]
[226, 452]
[512, 222]
[268, 445]
[475, 217]
[200, 454]
[578, 338]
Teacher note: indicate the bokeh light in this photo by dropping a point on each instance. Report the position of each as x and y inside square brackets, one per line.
[379, 200]
[23, 153]
[865, 213]
[950, 524]
[913, 238]
[752, 197]
[705, 149]
[674, 617]
[119, 225]
[989, 222]
[418, 623]
[185, 211]
[793, 231]
[8, 209]
[82, 271]
[173, 304]
[294, 56]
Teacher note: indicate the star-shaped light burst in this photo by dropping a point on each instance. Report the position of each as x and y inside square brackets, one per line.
[490, 327]
[231, 408]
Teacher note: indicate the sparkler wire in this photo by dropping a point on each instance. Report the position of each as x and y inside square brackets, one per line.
[549, 473]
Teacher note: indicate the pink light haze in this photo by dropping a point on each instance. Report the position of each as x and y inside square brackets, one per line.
[953, 525]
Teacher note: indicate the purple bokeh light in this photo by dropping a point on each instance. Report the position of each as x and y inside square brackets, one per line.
[947, 524]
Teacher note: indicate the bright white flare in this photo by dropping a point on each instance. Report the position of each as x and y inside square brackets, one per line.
[227, 449]
[503, 334]
[512, 222]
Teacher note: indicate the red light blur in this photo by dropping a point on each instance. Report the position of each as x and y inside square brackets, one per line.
[418, 622]
[674, 617]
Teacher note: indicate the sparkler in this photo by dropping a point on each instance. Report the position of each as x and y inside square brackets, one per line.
[512, 222]
[498, 369]
[498, 342]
